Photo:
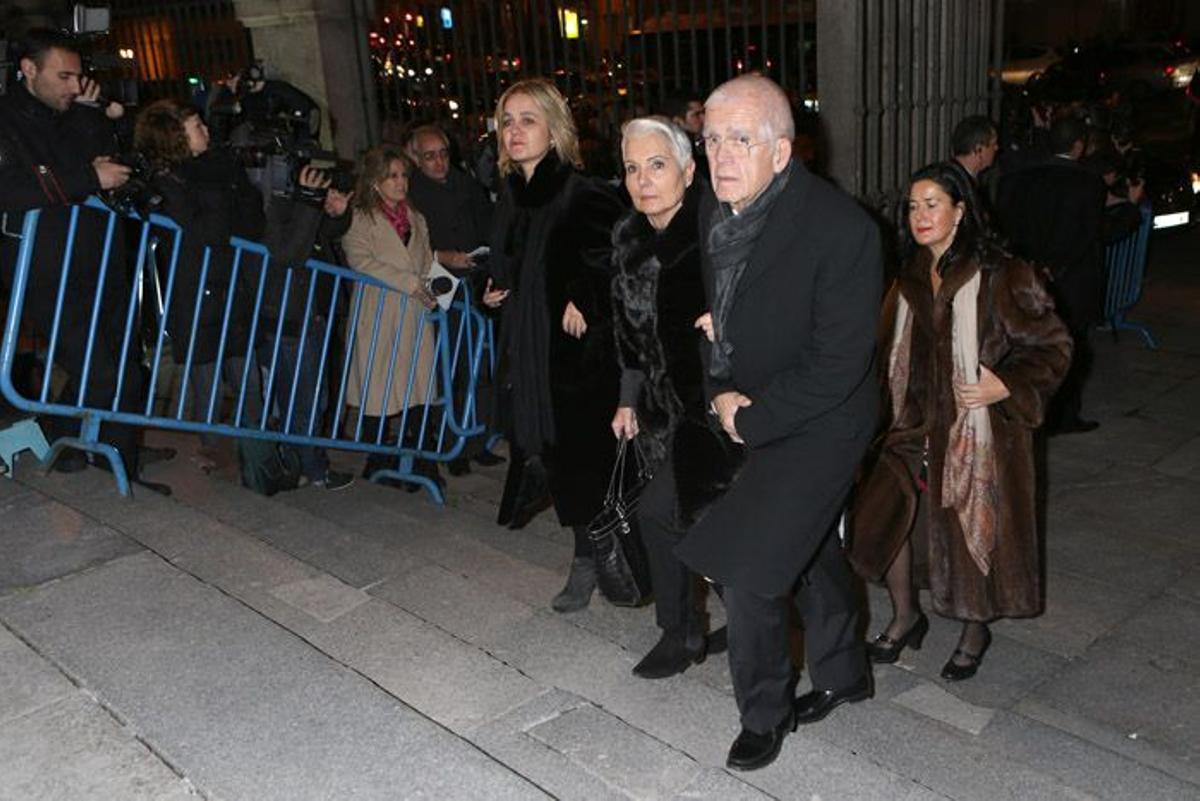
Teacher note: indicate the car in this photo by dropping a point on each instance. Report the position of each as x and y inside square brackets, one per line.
[1147, 68]
[1026, 61]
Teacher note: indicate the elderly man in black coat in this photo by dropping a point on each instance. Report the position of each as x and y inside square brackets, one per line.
[793, 273]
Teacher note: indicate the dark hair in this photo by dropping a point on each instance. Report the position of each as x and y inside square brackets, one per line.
[973, 238]
[37, 42]
[972, 132]
[1065, 132]
[159, 134]
[676, 104]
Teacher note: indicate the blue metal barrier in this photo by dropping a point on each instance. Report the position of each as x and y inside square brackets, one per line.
[437, 434]
[1125, 262]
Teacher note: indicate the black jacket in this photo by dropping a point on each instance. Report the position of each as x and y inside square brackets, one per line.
[657, 296]
[802, 326]
[46, 163]
[556, 232]
[1052, 212]
[212, 199]
[458, 211]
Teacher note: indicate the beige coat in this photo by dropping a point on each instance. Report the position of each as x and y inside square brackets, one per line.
[373, 247]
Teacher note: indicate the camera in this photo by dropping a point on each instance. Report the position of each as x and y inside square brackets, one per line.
[135, 197]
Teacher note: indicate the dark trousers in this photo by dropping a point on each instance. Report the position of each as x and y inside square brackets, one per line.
[759, 655]
[1067, 405]
[297, 369]
[675, 602]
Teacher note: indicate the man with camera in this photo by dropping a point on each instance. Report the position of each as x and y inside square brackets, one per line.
[57, 148]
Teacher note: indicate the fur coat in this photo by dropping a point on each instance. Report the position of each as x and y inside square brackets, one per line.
[1028, 347]
[657, 295]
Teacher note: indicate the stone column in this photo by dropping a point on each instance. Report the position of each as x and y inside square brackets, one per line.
[839, 79]
[320, 46]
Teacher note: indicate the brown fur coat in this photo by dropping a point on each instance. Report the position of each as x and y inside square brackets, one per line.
[1027, 346]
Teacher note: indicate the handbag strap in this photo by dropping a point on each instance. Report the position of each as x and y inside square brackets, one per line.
[615, 490]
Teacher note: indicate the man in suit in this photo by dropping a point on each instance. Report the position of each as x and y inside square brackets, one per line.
[1053, 213]
[793, 272]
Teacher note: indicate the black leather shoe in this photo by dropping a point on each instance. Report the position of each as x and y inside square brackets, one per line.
[816, 705]
[883, 650]
[460, 466]
[751, 750]
[953, 671]
[670, 656]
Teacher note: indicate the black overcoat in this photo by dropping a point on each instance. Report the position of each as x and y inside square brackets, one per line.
[560, 224]
[802, 326]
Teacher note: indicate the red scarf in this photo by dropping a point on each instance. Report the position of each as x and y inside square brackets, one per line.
[398, 218]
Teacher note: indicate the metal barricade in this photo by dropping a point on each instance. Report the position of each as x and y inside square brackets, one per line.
[1125, 263]
[422, 377]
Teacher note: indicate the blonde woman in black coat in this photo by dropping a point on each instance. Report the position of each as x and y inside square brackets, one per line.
[550, 270]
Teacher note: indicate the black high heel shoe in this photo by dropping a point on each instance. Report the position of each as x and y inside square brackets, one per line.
[883, 650]
[952, 671]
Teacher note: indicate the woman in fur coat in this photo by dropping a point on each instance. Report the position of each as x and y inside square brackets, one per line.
[972, 351]
[658, 297]
[551, 269]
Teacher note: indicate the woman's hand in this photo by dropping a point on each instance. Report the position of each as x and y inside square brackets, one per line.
[425, 298]
[492, 298]
[989, 390]
[624, 423]
[704, 323]
[454, 258]
[573, 322]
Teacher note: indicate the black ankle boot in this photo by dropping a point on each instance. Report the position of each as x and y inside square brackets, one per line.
[672, 654]
[581, 583]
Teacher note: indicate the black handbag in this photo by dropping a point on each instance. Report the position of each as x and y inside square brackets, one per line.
[622, 570]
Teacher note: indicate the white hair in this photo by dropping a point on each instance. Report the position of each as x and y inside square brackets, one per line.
[777, 121]
[677, 140]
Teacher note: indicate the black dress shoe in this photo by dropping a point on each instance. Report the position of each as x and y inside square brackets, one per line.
[751, 750]
[884, 650]
[488, 459]
[816, 705]
[460, 466]
[953, 671]
[670, 656]
[1076, 426]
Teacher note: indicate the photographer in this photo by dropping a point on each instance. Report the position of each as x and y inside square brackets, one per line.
[308, 224]
[209, 195]
[56, 149]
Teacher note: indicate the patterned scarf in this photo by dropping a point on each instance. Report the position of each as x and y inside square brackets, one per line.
[969, 481]
[731, 240]
[398, 217]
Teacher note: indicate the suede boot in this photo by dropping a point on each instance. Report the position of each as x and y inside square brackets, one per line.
[581, 583]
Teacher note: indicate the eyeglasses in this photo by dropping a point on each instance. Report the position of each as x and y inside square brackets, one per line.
[435, 155]
[739, 146]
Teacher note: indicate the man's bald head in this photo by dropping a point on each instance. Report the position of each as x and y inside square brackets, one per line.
[769, 101]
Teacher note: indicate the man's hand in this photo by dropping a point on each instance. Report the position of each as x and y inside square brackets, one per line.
[624, 423]
[705, 324]
[573, 322]
[989, 390]
[110, 173]
[493, 297]
[337, 202]
[455, 258]
[725, 406]
[313, 178]
[89, 95]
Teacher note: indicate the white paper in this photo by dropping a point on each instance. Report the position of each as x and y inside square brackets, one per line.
[436, 270]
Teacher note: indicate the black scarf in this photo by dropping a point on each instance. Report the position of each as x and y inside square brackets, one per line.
[524, 228]
[731, 240]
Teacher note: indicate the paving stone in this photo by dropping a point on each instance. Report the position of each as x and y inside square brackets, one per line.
[454, 683]
[1143, 442]
[712, 784]
[1169, 627]
[1183, 462]
[233, 701]
[460, 605]
[1177, 407]
[934, 702]
[531, 585]
[323, 597]
[72, 749]
[619, 754]
[27, 682]
[1079, 611]
[1188, 585]
[1121, 554]
[44, 539]
[1166, 713]
[1085, 765]
[504, 739]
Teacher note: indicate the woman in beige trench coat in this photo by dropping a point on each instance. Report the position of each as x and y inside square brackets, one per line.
[389, 241]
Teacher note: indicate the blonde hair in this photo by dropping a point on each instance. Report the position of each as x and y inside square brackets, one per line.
[563, 136]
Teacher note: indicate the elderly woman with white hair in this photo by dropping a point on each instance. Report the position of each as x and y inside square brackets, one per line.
[658, 297]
